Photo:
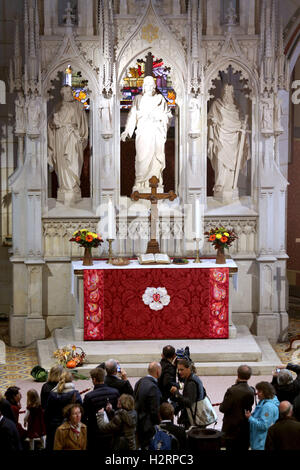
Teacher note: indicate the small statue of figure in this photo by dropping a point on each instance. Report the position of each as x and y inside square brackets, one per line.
[277, 115]
[267, 113]
[33, 116]
[20, 114]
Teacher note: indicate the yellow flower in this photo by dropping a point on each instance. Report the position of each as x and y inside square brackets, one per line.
[75, 233]
[218, 236]
[226, 234]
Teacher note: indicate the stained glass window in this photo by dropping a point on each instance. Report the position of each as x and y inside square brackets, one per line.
[79, 86]
[133, 83]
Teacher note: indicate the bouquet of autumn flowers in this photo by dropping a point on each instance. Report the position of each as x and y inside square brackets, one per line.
[86, 238]
[69, 357]
[221, 237]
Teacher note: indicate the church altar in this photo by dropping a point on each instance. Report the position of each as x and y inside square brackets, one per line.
[137, 302]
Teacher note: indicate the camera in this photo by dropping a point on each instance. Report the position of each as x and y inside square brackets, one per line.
[118, 368]
[278, 370]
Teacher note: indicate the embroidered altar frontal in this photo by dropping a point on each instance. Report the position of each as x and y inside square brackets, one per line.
[161, 303]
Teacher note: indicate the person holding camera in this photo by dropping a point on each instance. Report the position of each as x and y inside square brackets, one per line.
[167, 381]
[193, 390]
[286, 387]
[117, 378]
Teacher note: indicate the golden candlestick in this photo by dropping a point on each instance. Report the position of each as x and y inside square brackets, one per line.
[110, 252]
[197, 259]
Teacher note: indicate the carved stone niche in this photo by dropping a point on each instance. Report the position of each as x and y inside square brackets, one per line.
[229, 171]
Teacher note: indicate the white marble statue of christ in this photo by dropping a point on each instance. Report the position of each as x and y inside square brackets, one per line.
[150, 116]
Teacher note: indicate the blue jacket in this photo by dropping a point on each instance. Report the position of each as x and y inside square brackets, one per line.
[265, 414]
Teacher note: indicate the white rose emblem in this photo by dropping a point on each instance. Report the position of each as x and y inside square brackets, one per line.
[156, 298]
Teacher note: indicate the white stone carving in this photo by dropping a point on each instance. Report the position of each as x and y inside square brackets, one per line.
[150, 115]
[67, 138]
[227, 147]
[266, 113]
[20, 114]
[34, 115]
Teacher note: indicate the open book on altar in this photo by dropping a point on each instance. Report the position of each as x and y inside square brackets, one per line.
[157, 258]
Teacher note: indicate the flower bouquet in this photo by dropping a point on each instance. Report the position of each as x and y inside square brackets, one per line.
[220, 238]
[88, 240]
[69, 356]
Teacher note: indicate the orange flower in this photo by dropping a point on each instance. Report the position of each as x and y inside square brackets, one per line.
[78, 239]
[89, 238]
[212, 238]
[224, 239]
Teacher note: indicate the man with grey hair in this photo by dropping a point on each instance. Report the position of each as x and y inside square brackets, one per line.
[286, 387]
[285, 433]
[147, 402]
[238, 398]
[117, 377]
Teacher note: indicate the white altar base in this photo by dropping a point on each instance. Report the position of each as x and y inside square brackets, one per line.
[211, 356]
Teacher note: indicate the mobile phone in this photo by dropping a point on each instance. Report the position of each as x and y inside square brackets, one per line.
[118, 368]
[278, 370]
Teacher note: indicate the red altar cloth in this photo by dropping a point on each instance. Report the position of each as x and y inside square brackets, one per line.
[197, 306]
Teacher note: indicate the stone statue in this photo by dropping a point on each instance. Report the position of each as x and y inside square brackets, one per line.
[150, 115]
[277, 115]
[20, 114]
[34, 115]
[266, 113]
[67, 139]
[228, 149]
[195, 116]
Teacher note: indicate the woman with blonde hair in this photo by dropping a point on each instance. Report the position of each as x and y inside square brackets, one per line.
[52, 380]
[72, 433]
[63, 394]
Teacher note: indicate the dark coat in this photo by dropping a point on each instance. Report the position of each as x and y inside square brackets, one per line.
[54, 412]
[9, 436]
[92, 402]
[147, 402]
[123, 386]
[190, 395]
[167, 379]
[284, 435]
[237, 399]
[288, 391]
[123, 428]
[177, 431]
[45, 391]
[6, 409]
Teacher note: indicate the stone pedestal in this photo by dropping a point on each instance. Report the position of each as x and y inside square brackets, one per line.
[68, 197]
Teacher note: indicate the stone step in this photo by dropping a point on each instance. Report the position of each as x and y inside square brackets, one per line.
[211, 357]
[243, 346]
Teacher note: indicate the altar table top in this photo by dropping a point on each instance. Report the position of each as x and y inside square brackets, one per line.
[134, 264]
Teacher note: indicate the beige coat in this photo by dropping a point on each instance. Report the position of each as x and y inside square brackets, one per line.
[66, 440]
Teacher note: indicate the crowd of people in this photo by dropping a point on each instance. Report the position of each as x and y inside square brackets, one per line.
[155, 414]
